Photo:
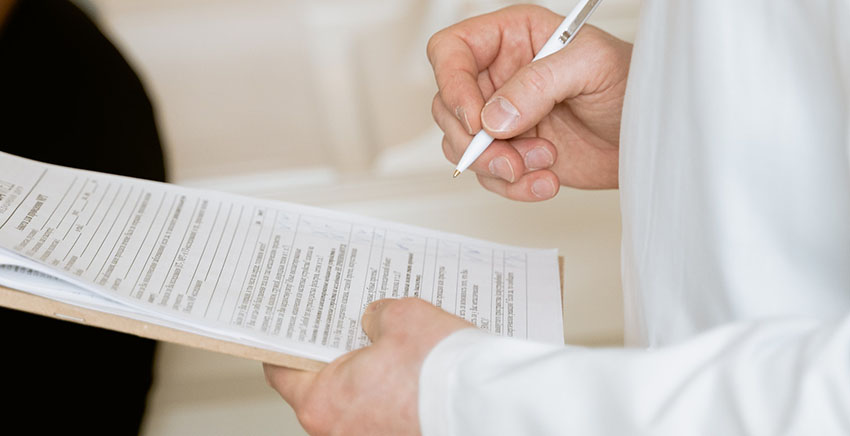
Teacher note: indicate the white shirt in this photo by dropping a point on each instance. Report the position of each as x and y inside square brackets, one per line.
[735, 195]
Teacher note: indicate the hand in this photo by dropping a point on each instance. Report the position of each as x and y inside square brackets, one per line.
[373, 390]
[559, 117]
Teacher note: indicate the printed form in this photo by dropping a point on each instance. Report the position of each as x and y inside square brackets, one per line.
[291, 278]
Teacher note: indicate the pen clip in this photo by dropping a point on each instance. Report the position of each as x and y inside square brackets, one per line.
[579, 20]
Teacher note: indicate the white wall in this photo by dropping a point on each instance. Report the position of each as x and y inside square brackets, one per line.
[327, 102]
[271, 85]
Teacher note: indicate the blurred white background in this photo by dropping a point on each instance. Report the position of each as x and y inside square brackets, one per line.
[327, 102]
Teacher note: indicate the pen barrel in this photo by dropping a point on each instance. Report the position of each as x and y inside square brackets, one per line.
[565, 33]
[568, 28]
[477, 146]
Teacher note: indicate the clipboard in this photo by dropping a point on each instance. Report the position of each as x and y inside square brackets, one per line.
[26, 302]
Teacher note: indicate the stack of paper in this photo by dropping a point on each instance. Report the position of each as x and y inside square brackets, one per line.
[265, 274]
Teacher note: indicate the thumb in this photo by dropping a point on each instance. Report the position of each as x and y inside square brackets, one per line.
[533, 91]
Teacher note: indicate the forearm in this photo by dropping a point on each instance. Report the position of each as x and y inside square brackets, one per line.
[759, 378]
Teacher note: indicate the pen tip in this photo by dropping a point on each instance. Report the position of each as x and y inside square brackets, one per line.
[457, 173]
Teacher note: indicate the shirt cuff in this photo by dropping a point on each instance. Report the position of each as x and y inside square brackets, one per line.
[438, 378]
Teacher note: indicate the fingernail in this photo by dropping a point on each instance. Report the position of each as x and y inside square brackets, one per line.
[538, 158]
[460, 113]
[499, 115]
[501, 168]
[543, 188]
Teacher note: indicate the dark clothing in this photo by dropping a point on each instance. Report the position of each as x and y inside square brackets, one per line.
[68, 97]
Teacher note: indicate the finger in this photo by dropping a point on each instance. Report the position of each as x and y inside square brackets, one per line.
[447, 121]
[524, 30]
[391, 314]
[461, 53]
[456, 72]
[371, 320]
[510, 160]
[505, 160]
[534, 186]
[536, 153]
[531, 93]
[292, 384]
[499, 160]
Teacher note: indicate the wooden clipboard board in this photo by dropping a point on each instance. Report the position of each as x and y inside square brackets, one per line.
[26, 302]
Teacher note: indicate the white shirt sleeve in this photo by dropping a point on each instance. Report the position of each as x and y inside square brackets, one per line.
[734, 185]
[773, 377]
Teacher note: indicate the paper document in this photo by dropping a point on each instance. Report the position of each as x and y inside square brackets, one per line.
[280, 276]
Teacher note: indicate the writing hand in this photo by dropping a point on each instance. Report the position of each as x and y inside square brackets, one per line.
[558, 119]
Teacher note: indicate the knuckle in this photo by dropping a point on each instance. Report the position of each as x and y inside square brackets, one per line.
[537, 78]
[394, 312]
[433, 43]
[452, 84]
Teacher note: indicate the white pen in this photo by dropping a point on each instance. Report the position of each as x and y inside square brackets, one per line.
[562, 36]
